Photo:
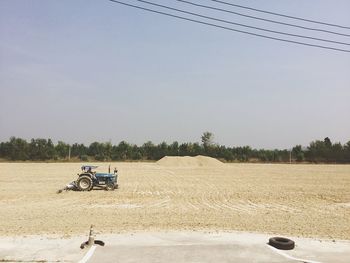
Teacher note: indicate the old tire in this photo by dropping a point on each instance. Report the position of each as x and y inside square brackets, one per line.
[281, 243]
[84, 183]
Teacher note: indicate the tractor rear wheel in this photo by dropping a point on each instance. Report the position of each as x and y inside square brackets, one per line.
[84, 183]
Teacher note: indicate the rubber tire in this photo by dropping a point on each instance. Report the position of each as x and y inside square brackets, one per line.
[281, 243]
[110, 187]
[88, 180]
[99, 242]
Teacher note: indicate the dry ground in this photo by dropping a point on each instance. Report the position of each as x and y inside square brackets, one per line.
[299, 200]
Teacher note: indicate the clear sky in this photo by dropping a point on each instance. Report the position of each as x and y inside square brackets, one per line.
[87, 70]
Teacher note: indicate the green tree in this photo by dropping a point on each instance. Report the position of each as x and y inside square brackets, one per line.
[100, 151]
[161, 151]
[62, 149]
[298, 153]
[79, 150]
[346, 149]
[319, 151]
[173, 149]
[336, 153]
[136, 153]
[207, 139]
[95, 148]
[149, 151]
[17, 149]
[41, 149]
[327, 142]
[122, 151]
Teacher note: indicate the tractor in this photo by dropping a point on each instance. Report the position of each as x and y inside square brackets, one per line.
[89, 179]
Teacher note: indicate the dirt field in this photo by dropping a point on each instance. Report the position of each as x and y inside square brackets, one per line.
[299, 200]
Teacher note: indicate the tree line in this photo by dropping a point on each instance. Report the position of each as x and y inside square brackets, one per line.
[318, 151]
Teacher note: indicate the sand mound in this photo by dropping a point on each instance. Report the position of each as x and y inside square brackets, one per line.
[189, 161]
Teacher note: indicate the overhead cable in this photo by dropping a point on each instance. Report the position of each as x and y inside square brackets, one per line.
[281, 15]
[229, 28]
[264, 19]
[243, 25]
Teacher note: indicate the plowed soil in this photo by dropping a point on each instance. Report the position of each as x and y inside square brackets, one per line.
[189, 161]
[299, 200]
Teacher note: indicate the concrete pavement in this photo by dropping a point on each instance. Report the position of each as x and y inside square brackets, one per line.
[171, 247]
[215, 247]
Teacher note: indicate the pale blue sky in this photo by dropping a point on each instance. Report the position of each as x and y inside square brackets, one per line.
[88, 70]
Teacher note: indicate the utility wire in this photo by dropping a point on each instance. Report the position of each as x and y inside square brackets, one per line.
[264, 19]
[228, 28]
[242, 25]
[281, 15]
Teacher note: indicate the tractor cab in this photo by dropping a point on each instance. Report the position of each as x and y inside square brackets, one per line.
[88, 169]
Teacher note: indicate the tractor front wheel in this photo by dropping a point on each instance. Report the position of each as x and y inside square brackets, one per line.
[84, 183]
[110, 187]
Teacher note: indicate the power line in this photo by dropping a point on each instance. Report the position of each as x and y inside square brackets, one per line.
[228, 28]
[281, 15]
[264, 19]
[243, 25]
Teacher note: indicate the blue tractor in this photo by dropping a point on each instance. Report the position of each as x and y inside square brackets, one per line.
[88, 179]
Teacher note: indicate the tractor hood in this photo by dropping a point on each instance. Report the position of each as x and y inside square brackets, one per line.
[104, 175]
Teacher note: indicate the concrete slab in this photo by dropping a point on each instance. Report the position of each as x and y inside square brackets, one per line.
[214, 247]
[170, 247]
[186, 253]
[41, 249]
